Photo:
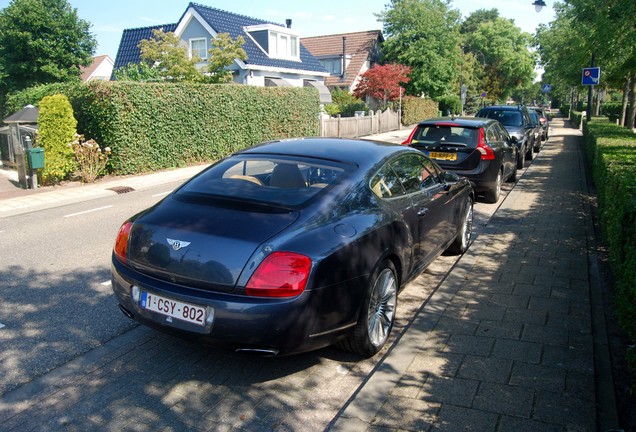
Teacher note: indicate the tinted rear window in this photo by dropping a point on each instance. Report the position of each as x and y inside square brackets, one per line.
[445, 134]
[271, 181]
[506, 117]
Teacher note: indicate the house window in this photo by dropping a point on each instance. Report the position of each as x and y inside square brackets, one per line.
[333, 66]
[283, 46]
[199, 47]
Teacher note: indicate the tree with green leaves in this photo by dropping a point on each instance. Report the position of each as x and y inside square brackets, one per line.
[223, 53]
[509, 64]
[166, 52]
[141, 72]
[42, 41]
[424, 35]
[586, 28]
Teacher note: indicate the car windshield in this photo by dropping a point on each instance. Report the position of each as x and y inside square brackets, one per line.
[505, 117]
[445, 134]
[266, 180]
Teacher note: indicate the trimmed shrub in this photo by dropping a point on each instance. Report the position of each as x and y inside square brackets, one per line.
[415, 109]
[565, 110]
[611, 152]
[576, 117]
[450, 104]
[613, 110]
[152, 126]
[56, 130]
[347, 104]
[33, 95]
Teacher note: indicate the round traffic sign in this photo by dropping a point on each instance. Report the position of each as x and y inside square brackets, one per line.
[587, 73]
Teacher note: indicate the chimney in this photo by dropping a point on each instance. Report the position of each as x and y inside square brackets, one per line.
[288, 22]
[343, 75]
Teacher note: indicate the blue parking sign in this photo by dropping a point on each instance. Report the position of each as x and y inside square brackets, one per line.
[591, 76]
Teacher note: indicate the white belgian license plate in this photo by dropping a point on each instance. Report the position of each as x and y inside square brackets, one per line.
[173, 308]
[443, 156]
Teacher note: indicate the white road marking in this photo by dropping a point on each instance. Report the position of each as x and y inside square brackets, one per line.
[2, 325]
[161, 194]
[107, 283]
[87, 211]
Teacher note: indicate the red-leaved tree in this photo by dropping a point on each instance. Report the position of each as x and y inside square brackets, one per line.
[383, 82]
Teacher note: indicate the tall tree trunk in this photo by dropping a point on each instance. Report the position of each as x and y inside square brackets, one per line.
[632, 103]
[624, 100]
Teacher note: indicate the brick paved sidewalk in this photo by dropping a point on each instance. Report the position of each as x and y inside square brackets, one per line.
[506, 343]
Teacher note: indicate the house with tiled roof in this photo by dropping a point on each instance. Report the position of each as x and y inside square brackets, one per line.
[276, 56]
[346, 56]
[101, 68]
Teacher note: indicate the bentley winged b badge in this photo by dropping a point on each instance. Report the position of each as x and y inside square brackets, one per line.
[177, 244]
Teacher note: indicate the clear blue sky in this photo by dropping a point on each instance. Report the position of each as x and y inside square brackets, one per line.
[312, 18]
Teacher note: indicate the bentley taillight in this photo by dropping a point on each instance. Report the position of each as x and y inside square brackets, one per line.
[121, 243]
[281, 274]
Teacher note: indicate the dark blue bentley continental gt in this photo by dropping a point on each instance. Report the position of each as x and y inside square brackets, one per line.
[291, 245]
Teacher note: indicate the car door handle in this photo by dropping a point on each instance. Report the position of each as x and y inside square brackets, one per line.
[422, 211]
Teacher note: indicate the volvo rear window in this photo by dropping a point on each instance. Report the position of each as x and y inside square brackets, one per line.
[505, 117]
[445, 134]
[272, 181]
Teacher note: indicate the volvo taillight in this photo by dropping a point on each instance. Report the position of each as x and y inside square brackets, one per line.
[483, 147]
[410, 138]
[281, 274]
[121, 243]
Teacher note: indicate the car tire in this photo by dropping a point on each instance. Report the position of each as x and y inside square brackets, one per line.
[513, 176]
[529, 153]
[377, 313]
[492, 196]
[464, 234]
[521, 161]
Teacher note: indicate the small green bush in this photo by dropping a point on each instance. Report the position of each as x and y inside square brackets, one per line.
[415, 109]
[450, 104]
[56, 130]
[613, 110]
[576, 117]
[347, 104]
[565, 109]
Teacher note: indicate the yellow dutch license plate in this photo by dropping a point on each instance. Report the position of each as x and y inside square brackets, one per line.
[444, 156]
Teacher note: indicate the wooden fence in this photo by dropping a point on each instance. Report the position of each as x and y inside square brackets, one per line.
[354, 127]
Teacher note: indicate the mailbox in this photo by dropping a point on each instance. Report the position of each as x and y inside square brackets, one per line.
[36, 158]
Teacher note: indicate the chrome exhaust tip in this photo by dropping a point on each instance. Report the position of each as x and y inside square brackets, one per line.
[126, 312]
[262, 352]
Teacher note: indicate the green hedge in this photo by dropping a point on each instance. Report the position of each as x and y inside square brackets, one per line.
[575, 117]
[450, 104]
[415, 109]
[611, 151]
[33, 95]
[613, 110]
[152, 126]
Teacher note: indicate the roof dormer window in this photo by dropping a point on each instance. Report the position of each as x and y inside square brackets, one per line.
[277, 41]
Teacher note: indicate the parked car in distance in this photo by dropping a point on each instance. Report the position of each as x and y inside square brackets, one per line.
[544, 119]
[537, 131]
[516, 120]
[479, 149]
[291, 245]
